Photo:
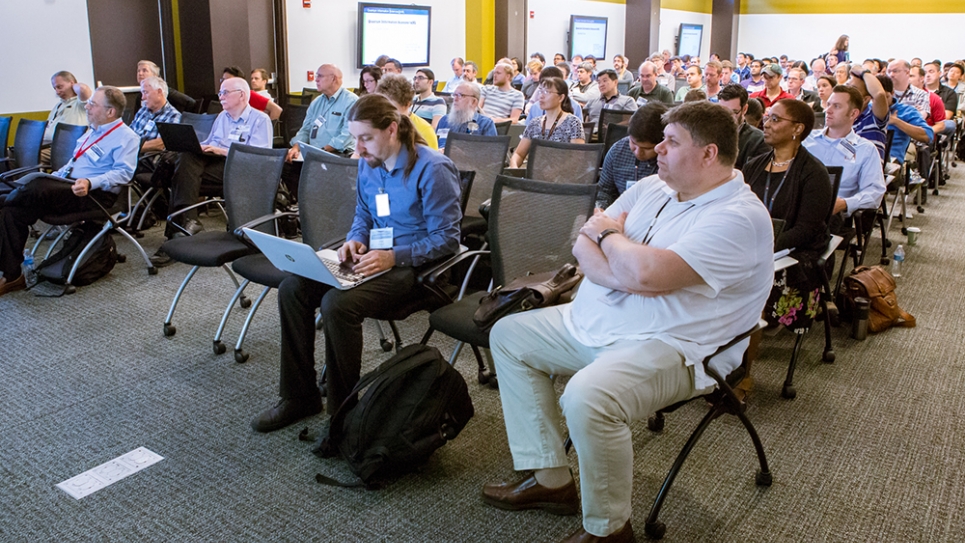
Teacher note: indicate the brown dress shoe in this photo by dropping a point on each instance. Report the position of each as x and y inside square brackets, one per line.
[624, 535]
[19, 283]
[528, 494]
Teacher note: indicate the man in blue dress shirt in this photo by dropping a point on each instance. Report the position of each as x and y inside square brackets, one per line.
[103, 159]
[406, 217]
[237, 123]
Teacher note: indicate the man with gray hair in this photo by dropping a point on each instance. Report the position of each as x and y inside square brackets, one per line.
[155, 108]
[237, 123]
[70, 109]
[181, 102]
[584, 89]
[465, 117]
[102, 160]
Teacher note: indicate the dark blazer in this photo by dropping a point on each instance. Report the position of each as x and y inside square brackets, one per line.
[804, 200]
[750, 143]
[812, 99]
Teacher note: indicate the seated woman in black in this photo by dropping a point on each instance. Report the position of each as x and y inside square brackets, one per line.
[795, 187]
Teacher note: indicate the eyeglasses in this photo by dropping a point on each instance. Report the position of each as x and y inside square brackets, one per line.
[774, 118]
[224, 93]
[420, 78]
[461, 95]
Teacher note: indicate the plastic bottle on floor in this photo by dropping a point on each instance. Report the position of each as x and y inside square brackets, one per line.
[29, 272]
[897, 260]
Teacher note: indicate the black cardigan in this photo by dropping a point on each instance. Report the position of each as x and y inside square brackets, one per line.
[804, 201]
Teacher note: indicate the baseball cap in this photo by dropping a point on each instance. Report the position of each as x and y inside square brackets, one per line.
[772, 70]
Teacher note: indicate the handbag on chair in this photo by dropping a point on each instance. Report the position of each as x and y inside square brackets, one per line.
[528, 292]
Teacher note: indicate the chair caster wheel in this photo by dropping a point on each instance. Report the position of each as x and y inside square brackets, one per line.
[655, 530]
[169, 330]
[884, 261]
[245, 302]
[219, 347]
[904, 231]
[241, 356]
[70, 289]
[788, 392]
[121, 258]
[138, 234]
[386, 345]
[482, 377]
[887, 243]
[921, 209]
[828, 357]
[152, 270]
[655, 423]
[493, 382]
[934, 192]
[763, 478]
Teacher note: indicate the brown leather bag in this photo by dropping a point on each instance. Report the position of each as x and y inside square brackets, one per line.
[878, 286]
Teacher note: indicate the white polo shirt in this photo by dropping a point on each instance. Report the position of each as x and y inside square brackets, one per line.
[726, 236]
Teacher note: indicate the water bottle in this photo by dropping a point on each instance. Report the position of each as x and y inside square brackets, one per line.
[29, 273]
[896, 261]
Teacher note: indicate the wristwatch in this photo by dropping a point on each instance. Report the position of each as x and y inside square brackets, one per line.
[604, 234]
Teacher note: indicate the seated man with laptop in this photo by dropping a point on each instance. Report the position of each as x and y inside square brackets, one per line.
[237, 123]
[406, 217]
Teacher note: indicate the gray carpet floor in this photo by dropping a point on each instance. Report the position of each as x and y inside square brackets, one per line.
[870, 450]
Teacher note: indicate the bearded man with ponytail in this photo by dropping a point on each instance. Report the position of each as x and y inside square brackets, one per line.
[406, 218]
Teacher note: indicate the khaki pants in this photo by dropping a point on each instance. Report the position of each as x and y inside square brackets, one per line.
[611, 387]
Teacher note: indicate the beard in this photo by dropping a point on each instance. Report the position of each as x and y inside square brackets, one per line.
[457, 117]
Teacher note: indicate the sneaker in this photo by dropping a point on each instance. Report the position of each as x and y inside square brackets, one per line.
[161, 259]
[286, 412]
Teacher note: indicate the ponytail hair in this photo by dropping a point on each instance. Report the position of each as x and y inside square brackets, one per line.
[378, 111]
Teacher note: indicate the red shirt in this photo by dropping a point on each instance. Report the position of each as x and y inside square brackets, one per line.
[937, 109]
[767, 101]
[257, 101]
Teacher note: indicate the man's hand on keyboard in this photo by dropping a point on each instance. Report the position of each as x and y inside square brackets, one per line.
[350, 252]
[374, 262]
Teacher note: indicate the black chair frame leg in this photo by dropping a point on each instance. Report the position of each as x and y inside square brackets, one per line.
[788, 390]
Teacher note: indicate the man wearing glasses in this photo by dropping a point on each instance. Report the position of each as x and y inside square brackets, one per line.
[237, 123]
[103, 159]
[426, 104]
[465, 117]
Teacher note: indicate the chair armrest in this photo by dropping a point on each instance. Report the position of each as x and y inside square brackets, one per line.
[262, 220]
[10, 175]
[721, 381]
[430, 277]
[833, 244]
[197, 205]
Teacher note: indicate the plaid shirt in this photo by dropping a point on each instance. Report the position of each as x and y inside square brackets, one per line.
[619, 167]
[144, 122]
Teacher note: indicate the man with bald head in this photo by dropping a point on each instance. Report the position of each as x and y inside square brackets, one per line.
[648, 89]
[237, 123]
[899, 71]
[325, 124]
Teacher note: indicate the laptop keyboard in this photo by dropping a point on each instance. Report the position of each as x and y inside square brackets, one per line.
[339, 272]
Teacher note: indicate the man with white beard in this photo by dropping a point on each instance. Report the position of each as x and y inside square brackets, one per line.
[464, 117]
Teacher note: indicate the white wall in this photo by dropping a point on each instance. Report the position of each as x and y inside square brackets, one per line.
[670, 20]
[327, 33]
[547, 30]
[31, 53]
[928, 36]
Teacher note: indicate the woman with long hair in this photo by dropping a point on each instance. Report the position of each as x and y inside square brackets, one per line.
[795, 187]
[824, 86]
[557, 122]
[368, 80]
[840, 49]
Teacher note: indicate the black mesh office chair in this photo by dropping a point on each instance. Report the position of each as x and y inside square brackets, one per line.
[614, 133]
[27, 143]
[4, 134]
[61, 150]
[609, 117]
[502, 128]
[532, 228]
[485, 155]
[576, 163]
[251, 178]
[326, 209]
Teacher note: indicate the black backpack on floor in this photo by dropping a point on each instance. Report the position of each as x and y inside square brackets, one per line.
[97, 263]
[409, 406]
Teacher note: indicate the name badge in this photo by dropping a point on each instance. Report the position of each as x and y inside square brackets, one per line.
[630, 184]
[641, 101]
[382, 204]
[239, 134]
[380, 238]
[149, 127]
[443, 133]
[319, 122]
[94, 153]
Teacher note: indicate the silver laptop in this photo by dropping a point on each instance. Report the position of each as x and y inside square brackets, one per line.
[301, 259]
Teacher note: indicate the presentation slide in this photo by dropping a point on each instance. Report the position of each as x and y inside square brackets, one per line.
[402, 32]
[689, 40]
[588, 36]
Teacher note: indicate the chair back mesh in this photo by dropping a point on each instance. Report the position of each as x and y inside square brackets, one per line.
[4, 134]
[201, 122]
[27, 142]
[251, 178]
[64, 142]
[485, 155]
[834, 173]
[614, 133]
[612, 116]
[292, 118]
[502, 127]
[327, 195]
[574, 163]
[534, 224]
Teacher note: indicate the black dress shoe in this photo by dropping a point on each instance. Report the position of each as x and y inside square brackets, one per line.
[623, 535]
[286, 412]
[161, 259]
[529, 494]
[193, 226]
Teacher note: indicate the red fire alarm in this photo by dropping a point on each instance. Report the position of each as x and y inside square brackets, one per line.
[311, 75]
[306, 3]
[532, 14]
